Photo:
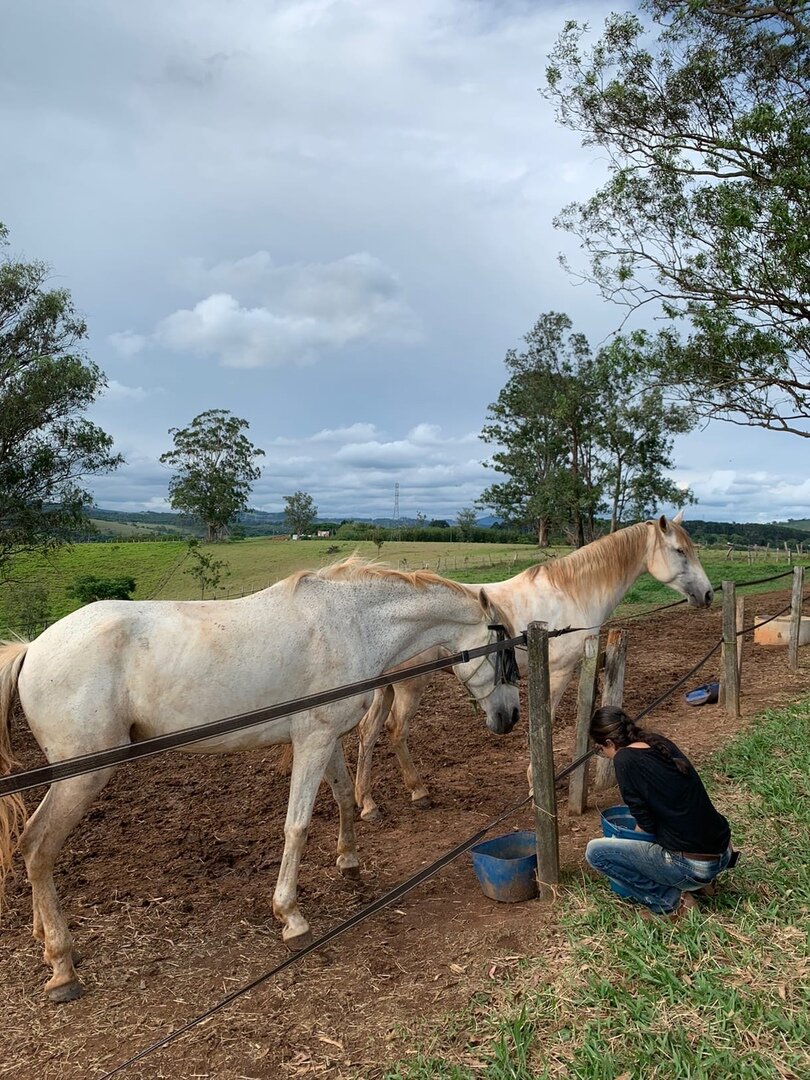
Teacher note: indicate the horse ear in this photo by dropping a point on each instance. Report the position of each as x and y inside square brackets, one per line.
[662, 521]
[678, 518]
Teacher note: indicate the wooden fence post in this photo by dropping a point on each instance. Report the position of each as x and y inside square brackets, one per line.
[542, 761]
[731, 678]
[795, 617]
[578, 784]
[612, 694]
[740, 627]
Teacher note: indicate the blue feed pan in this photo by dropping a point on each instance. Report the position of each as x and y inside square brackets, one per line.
[506, 866]
[703, 695]
[618, 823]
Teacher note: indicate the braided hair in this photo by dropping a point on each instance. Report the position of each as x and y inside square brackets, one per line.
[610, 723]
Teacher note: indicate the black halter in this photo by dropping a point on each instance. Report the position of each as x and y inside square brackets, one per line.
[506, 666]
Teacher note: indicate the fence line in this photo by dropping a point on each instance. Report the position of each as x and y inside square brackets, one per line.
[398, 891]
[62, 770]
[14, 783]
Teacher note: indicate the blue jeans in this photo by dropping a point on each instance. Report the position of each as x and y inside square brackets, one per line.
[651, 874]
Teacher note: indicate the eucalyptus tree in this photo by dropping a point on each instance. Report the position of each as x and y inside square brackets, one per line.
[300, 512]
[47, 383]
[577, 435]
[215, 466]
[701, 109]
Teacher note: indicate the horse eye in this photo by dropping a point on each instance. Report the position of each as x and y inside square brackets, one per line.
[680, 551]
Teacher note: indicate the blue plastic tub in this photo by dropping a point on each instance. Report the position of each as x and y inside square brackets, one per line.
[506, 866]
[619, 823]
[707, 694]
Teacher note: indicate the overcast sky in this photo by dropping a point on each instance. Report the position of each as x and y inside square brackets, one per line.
[332, 217]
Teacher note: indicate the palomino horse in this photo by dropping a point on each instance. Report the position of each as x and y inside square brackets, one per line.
[581, 589]
[117, 672]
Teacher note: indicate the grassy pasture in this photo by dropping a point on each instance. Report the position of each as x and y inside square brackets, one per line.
[715, 997]
[159, 567]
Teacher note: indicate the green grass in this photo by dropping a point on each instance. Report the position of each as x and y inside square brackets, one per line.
[258, 562]
[254, 564]
[722, 995]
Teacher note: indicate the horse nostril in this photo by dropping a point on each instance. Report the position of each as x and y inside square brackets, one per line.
[709, 597]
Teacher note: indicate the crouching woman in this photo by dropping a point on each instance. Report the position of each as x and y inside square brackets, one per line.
[667, 798]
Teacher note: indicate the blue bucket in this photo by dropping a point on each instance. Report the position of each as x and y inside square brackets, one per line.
[506, 866]
[618, 823]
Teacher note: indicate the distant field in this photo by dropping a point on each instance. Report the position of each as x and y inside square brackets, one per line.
[159, 567]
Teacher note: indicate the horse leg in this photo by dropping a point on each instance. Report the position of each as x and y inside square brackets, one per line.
[310, 758]
[406, 703]
[339, 780]
[369, 732]
[59, 812]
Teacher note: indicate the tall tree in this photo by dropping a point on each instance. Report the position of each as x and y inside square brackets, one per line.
[215, 469]
[46, 384]
[300, 512]
[542, 423]
[702, 112]
[635, 440]
[465, 519]
[577, 434]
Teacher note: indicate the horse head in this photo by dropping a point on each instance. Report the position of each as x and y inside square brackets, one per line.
[673, 560]
[493, 679]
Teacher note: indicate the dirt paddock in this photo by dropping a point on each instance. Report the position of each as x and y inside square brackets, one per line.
[168, 884]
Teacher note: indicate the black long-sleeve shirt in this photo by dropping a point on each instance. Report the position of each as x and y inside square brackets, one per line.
[671, 804]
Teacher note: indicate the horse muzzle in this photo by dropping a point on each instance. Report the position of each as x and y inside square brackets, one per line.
[701, 599]
[502, 722]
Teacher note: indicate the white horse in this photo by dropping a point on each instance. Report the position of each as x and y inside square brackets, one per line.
[581, 589]
[118, 672]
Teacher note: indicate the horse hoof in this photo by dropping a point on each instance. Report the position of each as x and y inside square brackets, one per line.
[60, 995]
[425, 803]
[373, 816]
[350, 872]
[300, 941]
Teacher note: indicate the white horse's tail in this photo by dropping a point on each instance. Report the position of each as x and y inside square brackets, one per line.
[12, 808]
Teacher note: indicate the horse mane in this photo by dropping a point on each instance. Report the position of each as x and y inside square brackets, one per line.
[357, 568]
[603, 560]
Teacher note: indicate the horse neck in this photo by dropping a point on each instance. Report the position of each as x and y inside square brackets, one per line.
[596, 577]
[404, 621]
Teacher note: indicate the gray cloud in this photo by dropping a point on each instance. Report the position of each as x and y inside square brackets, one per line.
[312, 211]
[302, 311]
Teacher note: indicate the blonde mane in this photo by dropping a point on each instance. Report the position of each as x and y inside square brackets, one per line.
[356, 568]
[605, 560]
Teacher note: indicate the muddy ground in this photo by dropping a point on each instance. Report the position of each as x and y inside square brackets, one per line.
[168, 883]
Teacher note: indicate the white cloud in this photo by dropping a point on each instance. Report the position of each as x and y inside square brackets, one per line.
[302, 311]
[355, 432]
[116, 391]
[127, 343]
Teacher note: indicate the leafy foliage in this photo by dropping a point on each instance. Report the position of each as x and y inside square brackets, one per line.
[466, 519]
[300, 512]
[207, 570]
[575, 435]
[215, 463]
[88, 588]
[27, 606]
[707, 205]
[46, 384]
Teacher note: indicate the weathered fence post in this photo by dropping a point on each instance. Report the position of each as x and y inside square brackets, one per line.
[795, 617]
[578, 784]
[542, 761]
[740, 627]
[731, 677]
[612, 694]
